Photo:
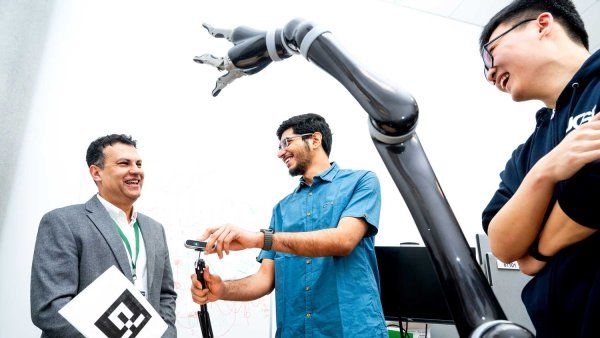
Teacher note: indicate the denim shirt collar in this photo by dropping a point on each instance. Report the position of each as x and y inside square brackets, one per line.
[326, 175]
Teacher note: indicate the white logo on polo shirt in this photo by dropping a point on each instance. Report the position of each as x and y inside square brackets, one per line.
[576, 121]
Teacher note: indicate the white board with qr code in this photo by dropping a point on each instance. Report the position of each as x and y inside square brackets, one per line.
[112, 307]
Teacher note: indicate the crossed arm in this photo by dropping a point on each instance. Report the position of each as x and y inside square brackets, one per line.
[517, 225]
[559, 232]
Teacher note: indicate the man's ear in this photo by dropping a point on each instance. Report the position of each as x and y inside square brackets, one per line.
[545, 24]
[95, 173]
[317, 138]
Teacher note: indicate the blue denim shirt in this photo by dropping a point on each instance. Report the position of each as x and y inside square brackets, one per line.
[329, 296]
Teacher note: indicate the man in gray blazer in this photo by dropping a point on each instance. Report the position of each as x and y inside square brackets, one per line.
[76, 244]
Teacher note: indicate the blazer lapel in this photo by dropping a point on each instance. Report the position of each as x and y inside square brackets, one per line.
[101, 219]
[149, 239]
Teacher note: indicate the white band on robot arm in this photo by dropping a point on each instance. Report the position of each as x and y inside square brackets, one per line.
[310, 37]
[271, 46]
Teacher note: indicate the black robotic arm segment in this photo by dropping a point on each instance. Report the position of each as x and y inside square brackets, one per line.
[392, 112]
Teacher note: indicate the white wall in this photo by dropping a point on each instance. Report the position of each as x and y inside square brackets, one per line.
[126, 67]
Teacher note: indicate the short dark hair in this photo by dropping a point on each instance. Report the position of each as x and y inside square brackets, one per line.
[308, 123]
[95, 152]
[563, 11]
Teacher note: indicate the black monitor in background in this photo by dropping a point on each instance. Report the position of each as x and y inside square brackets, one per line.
[410, 288]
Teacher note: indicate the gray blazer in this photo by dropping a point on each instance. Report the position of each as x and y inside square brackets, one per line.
[74, 246]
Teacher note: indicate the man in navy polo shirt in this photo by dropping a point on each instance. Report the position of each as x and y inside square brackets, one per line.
[546, 212]
[318, 252]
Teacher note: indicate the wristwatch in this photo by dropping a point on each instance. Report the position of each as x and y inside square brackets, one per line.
[268, 238]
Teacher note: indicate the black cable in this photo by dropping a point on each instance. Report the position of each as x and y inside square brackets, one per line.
[403, 331]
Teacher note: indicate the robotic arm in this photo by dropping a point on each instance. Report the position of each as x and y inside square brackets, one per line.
[253, 50]
[393, 116]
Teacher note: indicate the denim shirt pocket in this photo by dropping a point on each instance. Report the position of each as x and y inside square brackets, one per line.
[327, 215]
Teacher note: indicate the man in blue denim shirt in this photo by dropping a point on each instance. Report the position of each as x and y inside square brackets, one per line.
[319, 252]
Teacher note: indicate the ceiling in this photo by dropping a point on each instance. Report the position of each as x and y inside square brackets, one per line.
[478, 12]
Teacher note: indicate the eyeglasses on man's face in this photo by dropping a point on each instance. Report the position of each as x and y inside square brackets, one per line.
[285, 142]
[486, 55]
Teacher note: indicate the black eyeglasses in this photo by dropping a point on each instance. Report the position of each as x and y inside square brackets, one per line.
[486, 55]
[285, 142]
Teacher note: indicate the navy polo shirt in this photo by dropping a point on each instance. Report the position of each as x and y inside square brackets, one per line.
[329, 296]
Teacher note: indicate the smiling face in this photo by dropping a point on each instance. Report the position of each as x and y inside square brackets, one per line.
[522, 57]
[517, 60]
[121, 177]
[297, 155]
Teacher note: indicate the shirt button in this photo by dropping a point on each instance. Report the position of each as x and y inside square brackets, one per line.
[308, 315]
[308, 261]
[308, 213]
[307, 288]
[310, 194]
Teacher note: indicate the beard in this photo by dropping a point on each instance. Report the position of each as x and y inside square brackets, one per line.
[302, 163]
[299, 169]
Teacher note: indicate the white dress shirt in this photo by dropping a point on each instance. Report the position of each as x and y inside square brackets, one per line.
[120, 218]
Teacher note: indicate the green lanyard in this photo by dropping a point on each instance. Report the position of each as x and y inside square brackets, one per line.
[136, 229]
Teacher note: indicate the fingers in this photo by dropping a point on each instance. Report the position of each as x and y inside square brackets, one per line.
[220, 241]
[226, 79]
[209, 231]
[218, 245]
[207, 276]
[196, 283]
[204, 235]
[227, 238]
[590, 145]
[211, 280]
[217, 89]
[199, 295]
[227, 242]
[588, 132]
[221, 63]
[212, 239]
[590, 156]
[579, 148]
[219, 33]
[594, 123]
[200, 298]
